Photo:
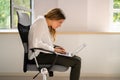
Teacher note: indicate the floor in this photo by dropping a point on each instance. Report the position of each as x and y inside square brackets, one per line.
[53, 78]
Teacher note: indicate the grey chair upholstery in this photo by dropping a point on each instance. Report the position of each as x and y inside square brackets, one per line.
[23, 28]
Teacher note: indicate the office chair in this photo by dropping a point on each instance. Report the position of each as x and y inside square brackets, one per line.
[23, 29]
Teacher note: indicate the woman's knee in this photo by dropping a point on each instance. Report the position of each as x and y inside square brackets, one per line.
[78, 59]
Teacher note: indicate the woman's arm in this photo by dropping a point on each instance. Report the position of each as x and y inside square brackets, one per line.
[59, 49]
[56, 45]
[43, 45]
[38, 35]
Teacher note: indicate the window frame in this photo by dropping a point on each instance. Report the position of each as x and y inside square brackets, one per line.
[13, 6]
[113, 26]
[115, 11]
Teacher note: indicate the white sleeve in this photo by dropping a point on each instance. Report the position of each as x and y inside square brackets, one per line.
[43, 45]
[37, 37]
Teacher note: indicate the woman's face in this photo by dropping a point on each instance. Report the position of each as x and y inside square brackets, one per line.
[56, 23]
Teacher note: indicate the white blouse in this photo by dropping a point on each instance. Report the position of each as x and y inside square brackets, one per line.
[39, 37]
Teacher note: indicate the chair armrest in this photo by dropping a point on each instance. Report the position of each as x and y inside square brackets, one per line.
[33, 50]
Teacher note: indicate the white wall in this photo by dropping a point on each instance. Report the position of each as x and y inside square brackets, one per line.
[42, 6]
[101, 56]
[81, 15]
[76, 14]
[11, 53]
[98, 15]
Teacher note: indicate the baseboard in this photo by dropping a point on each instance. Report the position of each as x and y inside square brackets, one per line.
[61, 74]
[99, 75]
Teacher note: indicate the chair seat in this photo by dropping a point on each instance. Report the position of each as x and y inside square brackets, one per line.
[32, 67]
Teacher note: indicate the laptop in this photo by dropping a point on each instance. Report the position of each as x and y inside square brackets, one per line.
[75, 52]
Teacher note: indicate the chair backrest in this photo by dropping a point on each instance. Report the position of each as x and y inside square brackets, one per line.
[23, 28]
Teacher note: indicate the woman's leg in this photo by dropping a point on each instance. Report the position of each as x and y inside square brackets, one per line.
[73, 62]
[75, 71]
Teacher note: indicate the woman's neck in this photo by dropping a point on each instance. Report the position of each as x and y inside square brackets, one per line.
[48, 22]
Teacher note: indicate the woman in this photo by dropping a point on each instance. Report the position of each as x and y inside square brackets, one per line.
[42, 34]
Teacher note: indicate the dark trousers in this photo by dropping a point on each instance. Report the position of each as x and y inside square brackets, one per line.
[73, 62]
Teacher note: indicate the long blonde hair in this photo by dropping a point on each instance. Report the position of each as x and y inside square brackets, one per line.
[54, 14]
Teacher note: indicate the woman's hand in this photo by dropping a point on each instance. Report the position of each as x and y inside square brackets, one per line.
[60, 50]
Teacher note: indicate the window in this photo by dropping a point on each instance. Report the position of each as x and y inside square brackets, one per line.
[8, 16]
[115, 27]
[4, 13]
[116, 12]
